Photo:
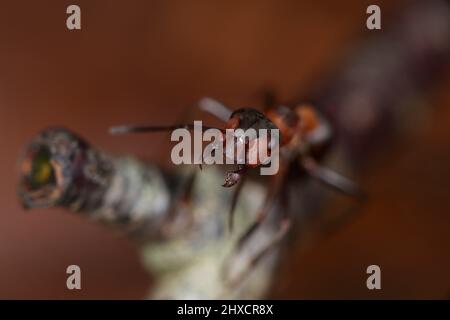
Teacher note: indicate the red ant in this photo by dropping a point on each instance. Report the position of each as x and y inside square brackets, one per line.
[304, 134]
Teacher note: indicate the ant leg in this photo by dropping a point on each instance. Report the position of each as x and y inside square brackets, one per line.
[234, 201]
[279, 186]
[285, 226]
[341, 184]
[332, 179]
[274, 190]
[273, 243]
[183, 198]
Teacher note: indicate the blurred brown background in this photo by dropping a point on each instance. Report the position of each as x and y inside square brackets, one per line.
[146, 61]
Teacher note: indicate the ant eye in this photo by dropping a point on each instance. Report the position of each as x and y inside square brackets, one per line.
[42, 172]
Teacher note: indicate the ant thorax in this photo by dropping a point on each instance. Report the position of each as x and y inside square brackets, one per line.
[286, 120]
[313, 127]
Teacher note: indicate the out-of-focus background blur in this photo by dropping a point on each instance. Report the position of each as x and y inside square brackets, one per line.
[146, 61]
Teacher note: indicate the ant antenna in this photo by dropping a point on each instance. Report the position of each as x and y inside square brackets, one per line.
[214, 107]
[144, 129]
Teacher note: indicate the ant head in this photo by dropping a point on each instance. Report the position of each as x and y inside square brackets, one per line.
[252, 119]
[249, 118]
[250, 122]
